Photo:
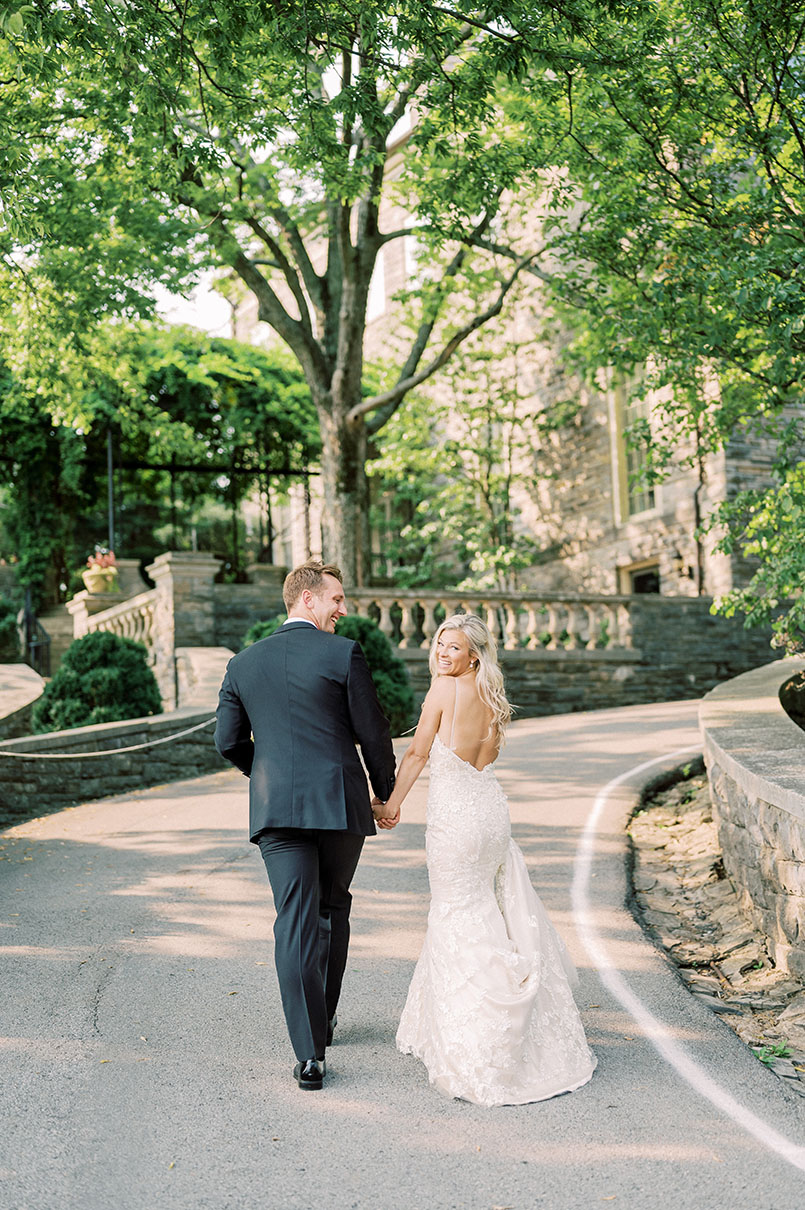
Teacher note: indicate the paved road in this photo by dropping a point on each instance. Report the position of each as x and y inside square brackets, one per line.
[145, 1066]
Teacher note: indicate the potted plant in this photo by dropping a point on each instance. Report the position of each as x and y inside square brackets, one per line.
[100, 574]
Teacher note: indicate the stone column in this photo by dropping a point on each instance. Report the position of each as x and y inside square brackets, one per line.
[270, 577]
[185, 612]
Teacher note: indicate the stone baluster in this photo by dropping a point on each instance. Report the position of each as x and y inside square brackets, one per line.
[511, 639]
[610, 620]
[386, 621]
[429, 623]
[552, 627]
[492, 619]
[572, 627]
[624, 627]
[531, 626]
[593, 628]
[408, 626]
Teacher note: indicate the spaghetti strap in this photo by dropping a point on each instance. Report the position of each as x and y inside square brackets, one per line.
[455, 710]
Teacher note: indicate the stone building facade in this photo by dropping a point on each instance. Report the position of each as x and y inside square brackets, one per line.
[594, 529]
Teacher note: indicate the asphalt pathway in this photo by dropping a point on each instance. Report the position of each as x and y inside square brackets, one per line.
[146, 1067]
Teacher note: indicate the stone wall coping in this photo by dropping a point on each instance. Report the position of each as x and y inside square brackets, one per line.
[748, 733]
[184, 560]
[19, 686]
[650, 600]
[98, 735]
[96, 602]
[620, 655]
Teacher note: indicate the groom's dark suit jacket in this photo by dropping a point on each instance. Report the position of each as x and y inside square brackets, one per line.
[290, 712]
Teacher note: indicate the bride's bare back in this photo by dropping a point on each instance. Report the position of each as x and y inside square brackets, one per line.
[467, 728]
[454, 712]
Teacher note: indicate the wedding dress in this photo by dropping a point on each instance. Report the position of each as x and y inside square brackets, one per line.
[490, 1011]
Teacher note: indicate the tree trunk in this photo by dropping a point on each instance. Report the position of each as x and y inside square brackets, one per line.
[345, 524]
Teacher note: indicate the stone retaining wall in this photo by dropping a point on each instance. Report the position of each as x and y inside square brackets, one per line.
[34, 787]
[755, 758]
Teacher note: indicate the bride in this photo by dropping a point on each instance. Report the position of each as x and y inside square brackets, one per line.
[490, 1010]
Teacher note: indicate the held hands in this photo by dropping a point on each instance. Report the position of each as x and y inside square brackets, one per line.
[382, 818]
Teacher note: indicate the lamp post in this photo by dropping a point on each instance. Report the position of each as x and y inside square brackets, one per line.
[110, 488]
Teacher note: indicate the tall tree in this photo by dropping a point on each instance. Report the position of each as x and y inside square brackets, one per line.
[258, 136]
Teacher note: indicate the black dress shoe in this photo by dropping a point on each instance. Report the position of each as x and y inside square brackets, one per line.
[331, 1024]
[309, 1074]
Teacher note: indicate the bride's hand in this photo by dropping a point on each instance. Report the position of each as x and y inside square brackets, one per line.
[382, 818]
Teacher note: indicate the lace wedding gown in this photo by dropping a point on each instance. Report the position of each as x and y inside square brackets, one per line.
[490, 1011]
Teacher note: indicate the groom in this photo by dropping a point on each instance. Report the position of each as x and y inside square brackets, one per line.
[290, 711]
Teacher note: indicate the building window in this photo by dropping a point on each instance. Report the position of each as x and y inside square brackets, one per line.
[639, 497]
[647, 579]
[629, 457]
[639, 577]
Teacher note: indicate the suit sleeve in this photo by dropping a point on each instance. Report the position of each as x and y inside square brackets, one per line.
[370, 725]
[233, 731]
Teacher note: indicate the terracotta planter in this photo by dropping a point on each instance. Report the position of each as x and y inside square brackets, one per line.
[100, 579]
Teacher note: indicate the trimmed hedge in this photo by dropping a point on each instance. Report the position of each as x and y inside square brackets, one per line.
[388, 673]
[102, 678]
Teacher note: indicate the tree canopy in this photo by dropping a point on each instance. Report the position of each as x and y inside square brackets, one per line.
[643, 161]
[259, 136]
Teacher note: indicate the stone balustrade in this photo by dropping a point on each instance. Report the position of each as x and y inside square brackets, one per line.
[560, 651]
[519, 621]
[131, 619]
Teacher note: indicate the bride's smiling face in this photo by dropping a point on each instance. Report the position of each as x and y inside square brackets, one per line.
[453, 655]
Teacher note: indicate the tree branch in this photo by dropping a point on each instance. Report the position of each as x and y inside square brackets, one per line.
[287, 270]
[387, 402]
[296, 335]
[436, 302]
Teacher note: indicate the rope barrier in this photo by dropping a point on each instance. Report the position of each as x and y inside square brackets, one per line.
[151, 743]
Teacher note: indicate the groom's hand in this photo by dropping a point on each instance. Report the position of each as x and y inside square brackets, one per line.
[382, 818]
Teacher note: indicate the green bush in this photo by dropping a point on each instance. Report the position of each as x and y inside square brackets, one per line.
[9, 634]
[102, 679]
[388, 673]
[261, 630]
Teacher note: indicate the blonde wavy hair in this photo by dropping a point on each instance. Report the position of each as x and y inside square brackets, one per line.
[488, 676]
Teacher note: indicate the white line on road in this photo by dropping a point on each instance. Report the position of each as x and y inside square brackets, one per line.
[654, 1030]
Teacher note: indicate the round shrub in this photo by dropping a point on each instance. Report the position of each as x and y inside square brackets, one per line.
[388, 673]
[102, 679]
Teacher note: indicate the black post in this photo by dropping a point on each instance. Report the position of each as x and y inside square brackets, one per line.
[110, 488]
[269, 522]
[173, 501]
[307, 514]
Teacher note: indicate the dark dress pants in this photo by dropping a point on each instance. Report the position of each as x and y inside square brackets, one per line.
[310, 871]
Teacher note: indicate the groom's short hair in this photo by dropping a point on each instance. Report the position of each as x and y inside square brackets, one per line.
[310, 577]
